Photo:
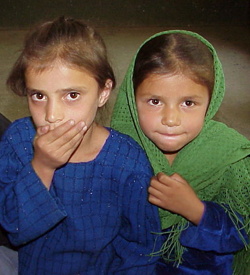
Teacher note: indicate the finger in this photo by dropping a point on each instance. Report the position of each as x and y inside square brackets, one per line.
[165, 179]
[177, 177]
[160, 175]
[60, 131]
[159, 191]
[154, 192]
[73, 131]
[154, 200]
[72, 138]
[154, 183]
[160, 185]
[61, 140]
[66, 132]
[42, 130]
[72, 144]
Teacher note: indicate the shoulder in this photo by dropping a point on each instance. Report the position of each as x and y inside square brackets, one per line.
[20, 129]
[18, 140]
[124, 141]
[221, 144]
[220, 132]
[128, 150]
[239, 169]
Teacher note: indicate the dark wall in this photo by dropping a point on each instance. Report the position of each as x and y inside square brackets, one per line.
[127, 13]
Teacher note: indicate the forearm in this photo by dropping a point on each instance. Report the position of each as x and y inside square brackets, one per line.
[28, 208]
[45, 173]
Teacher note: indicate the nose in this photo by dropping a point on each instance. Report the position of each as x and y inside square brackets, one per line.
[171, 117]
[54, 112]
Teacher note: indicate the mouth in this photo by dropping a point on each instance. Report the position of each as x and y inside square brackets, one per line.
[170, 134]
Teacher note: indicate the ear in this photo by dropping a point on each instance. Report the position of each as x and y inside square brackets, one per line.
[105, 93]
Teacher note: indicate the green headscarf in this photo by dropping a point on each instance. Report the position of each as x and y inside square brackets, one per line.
[216, 163]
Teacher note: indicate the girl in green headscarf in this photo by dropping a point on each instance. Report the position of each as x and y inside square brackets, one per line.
[172, 90]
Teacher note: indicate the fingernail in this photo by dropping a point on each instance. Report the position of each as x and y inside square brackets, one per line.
[82, 125]
[71, 122]
[44, 128]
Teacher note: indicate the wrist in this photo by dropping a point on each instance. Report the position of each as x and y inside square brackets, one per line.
[196, 213]
[44, 172]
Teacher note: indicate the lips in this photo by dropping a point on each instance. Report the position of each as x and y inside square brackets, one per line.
[169, 134]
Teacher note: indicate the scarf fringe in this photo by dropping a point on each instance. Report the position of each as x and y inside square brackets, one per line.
[239, 225]
[172, 250]
[241, 263]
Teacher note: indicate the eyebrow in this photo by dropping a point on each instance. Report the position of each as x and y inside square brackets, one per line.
[160, 96]
[191, 97]
[69, 89]
[31, 91]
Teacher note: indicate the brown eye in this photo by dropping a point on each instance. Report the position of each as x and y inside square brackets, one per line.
[73, 96]
[38, 97]
[189, 103]
[154, 101]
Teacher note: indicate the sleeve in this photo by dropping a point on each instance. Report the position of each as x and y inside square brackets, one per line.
[138, 236]
[216, 232]
[223, 228]
[28, 209]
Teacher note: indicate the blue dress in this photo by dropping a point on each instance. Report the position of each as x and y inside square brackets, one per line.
[210, 246]
[95, 219]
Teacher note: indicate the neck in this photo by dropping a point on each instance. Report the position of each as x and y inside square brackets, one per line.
[170, 157]
[91, 144]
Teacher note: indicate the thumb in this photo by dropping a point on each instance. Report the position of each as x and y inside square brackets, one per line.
[177, 177]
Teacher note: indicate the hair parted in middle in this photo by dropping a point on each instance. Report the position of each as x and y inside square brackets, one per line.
[68, 41]
[172, 54]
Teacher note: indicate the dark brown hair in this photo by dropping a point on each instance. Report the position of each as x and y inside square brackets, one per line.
[175, 53]
[69, 41]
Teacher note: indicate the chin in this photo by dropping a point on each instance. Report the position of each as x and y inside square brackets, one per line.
[170, 152]
[168, 149]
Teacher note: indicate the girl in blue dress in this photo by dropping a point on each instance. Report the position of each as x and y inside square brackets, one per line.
[73, 193]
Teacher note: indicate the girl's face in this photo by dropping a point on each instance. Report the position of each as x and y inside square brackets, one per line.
[171, 111]
[61, 93]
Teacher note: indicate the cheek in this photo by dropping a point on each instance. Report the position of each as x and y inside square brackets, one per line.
[194, 126]
[38, 119]
[142, 115]
[147, 122]
[82, 112]
[37, 114]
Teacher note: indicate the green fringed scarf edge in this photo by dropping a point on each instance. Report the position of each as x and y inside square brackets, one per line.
[241, 263]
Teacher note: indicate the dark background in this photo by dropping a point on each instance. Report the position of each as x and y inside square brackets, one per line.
[127, 13]
[124, 25]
